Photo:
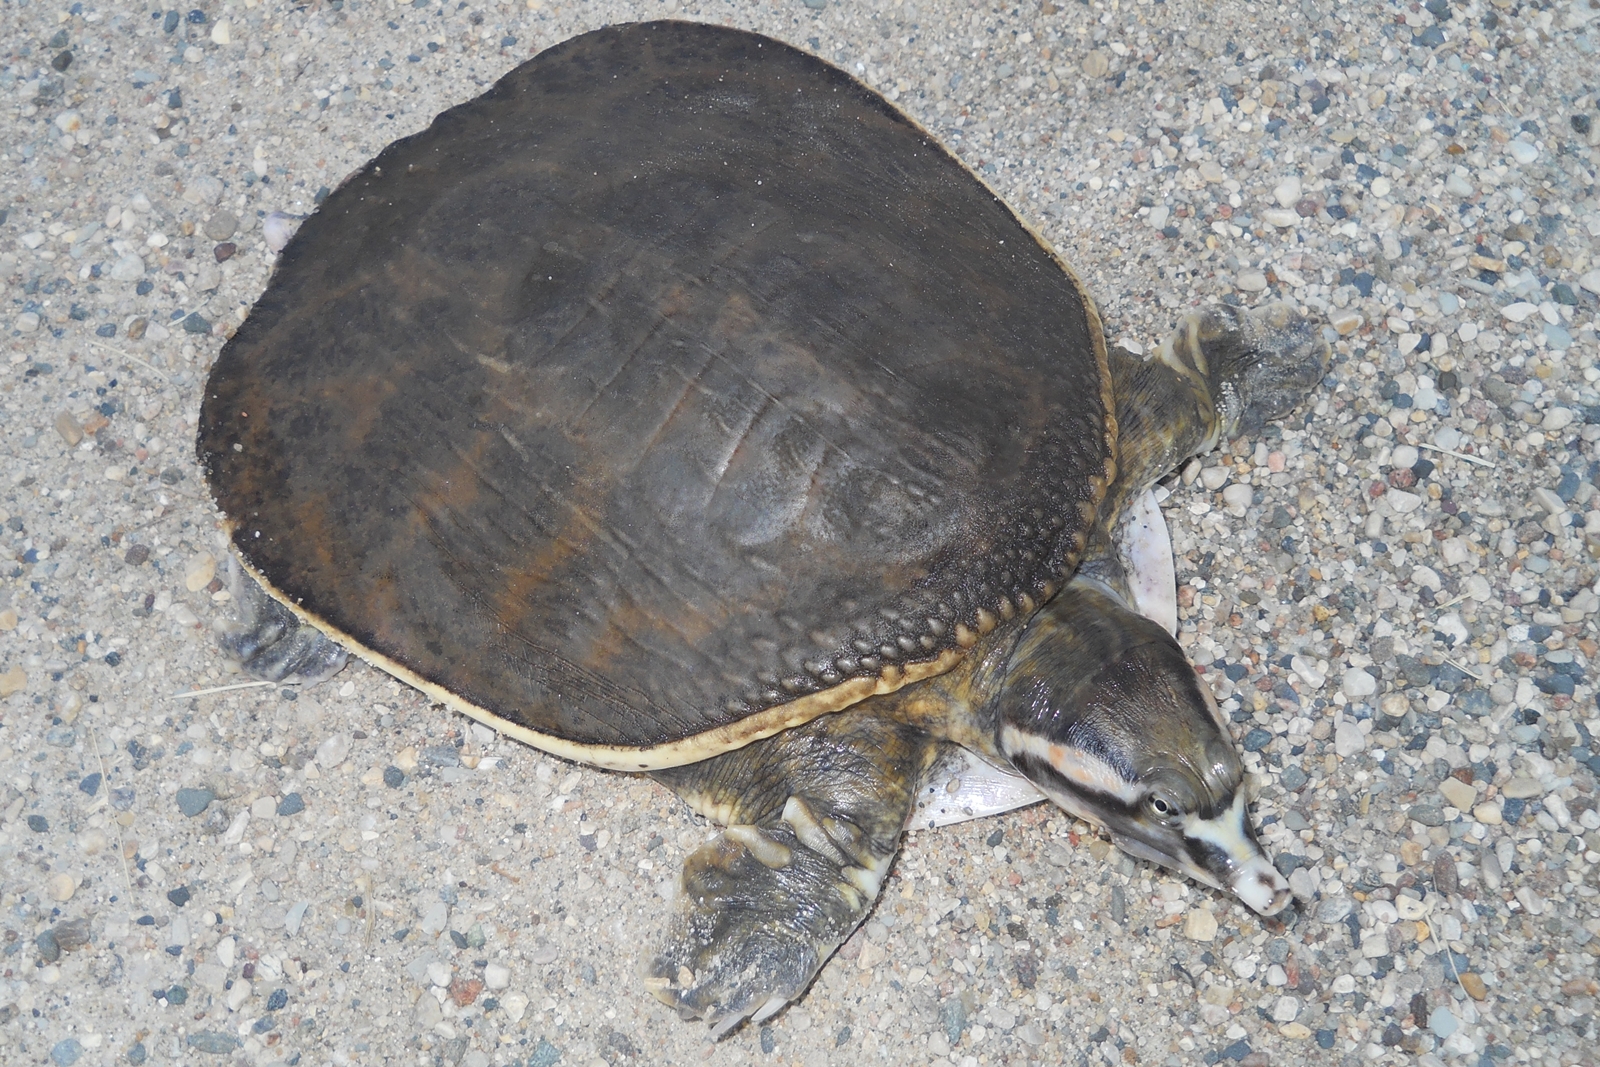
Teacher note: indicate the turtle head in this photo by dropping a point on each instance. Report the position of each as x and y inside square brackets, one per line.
[1103, 712]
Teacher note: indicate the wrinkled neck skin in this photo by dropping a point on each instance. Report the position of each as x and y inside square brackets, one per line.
[1100, 708]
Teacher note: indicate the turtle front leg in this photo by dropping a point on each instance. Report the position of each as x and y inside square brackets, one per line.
[813, 817]
[1225, 370]
[269, 642]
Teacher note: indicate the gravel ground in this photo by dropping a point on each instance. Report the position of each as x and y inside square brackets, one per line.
[1394, 595]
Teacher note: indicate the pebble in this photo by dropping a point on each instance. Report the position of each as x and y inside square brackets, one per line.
[1358, 683]
[61, 886]
[1348, 740]
[1458, 794]
[193, 800]
[221, 225]
[1200, 925]
[199, 573]
[277, 228]
[1442, 1022]
[128, 267]
[1287, 192]
[1522, 152]
[1474, 985]
[1251, 281]
[66, 1052]
[1237, 495]
[1285, 1009]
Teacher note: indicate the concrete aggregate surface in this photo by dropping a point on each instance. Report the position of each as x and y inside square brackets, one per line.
[1394, 594]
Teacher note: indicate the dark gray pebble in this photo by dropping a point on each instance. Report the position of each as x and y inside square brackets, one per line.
[137, 1054]
[179, 896]
[953, 1017]
[38, 824]
[1294, 779]
[65, 1053]
[72, 934]
[544, 1054]
[394, 777]
[194, 322]
[1257, 739]
[49, 948]
[1119, 905]
[192, 800]
[291, 804]
[91, 783]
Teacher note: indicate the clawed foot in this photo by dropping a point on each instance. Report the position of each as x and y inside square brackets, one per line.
[269, 642]
[761, 910]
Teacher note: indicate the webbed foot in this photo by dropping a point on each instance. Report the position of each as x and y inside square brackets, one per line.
[814, 819]
[269, 642]
[761, 910]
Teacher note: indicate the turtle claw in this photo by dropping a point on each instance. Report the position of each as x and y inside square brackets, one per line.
[749, 933]
[269, 642]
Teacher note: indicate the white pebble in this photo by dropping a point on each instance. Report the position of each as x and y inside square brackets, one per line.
[1285, 1010]
[1287, 194]
[438, 974]
[1251, 281]
[1448, 438]
[127, 268]
[1238, 496]
[27, 322]
[1558, 418]
[1521, 311]
[1158, 216]
[1402, 502]
[332, 752]
[1307, 670]
[1281, 217]
[1522, 151]
[1404, 456]
[1357, 683]
[1457, 185]
[1348, 740]
[1214, 478]
[1591, 281]
[1382, 186]
[496, 975]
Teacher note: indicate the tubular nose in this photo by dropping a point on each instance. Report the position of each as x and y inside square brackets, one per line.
[1260, 886]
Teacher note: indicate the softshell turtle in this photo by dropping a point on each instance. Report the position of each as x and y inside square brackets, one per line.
[680, 406]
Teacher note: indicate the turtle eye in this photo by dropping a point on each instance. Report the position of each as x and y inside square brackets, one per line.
[1164, 807]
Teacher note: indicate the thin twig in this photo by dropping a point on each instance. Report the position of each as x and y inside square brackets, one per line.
[218, 689]
[1479, 460]
[1463, 669]
[131, 359]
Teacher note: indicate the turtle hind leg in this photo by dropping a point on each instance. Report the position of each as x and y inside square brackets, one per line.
[269, 642]
[814, 819]
[1224, 371]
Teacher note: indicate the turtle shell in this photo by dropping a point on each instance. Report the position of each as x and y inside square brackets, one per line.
[676, 390]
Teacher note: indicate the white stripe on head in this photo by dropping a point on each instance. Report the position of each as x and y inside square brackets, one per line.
[1088, 773]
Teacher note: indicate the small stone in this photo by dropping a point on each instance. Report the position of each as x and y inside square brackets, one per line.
[1251, 281]
[192, 800]
[1200, 925]
[128, 268]
[496, 975]
[1282, 218]
[199, 573]
[1348, 740]
[1522, 789]
[1489, 813]
[1520, 311]
[1442, 1022]
[1402, 502]
[1345, 321]
[1238, 496]
[1286, 1009]
[1591, 281]
[222, 225]
[1211, 171]
[65, 1053]
[224, 251]
[277, 228]
[195, 322]
[1357, 683]
[60, 887]
[27, 322]
[1457, 185]
[291, 804]
[1473, 984]
[1522, 152]
[8, 620]
[1096, 64]
[69, 429]
[13, 681]
[1458, 794]
[213, 1041]
[1287, 193]
[1295, 1031]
